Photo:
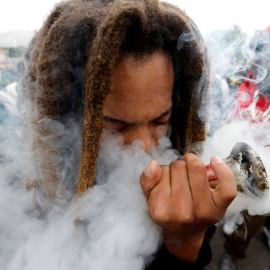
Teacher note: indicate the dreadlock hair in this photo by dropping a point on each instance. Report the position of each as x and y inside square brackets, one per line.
[71, 61]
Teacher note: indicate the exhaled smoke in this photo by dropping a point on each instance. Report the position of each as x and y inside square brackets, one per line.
[107, 228]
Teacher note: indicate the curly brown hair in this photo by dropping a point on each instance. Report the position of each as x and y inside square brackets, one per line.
[71, 62]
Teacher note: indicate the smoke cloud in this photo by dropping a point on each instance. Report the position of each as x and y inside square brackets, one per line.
[233, 55]
[109, 227]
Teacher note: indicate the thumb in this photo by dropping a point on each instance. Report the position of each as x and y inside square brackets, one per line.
[226, 189]
[150, 177]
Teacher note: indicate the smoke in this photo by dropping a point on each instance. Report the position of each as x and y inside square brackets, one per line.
[107, 228]
[233, 55]
[233, 118]
[221, 144]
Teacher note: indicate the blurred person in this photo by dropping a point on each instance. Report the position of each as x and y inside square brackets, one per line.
[252, 99]
[238, 241]
[131, 68]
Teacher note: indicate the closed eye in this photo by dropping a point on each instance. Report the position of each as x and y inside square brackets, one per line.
[114, 128]
[115, 125]
[164, 120]
[161, 123]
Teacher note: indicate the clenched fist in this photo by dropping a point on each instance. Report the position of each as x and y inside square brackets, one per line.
[181, 201]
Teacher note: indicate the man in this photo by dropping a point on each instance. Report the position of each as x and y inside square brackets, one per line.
[134, 68]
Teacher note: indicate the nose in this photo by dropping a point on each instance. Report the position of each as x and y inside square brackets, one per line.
[142, 133]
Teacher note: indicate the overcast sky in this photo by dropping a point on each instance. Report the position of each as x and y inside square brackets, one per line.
[207, 14]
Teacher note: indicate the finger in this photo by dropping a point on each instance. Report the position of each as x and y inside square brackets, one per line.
[226, 189]
[181, 193]
[150, 177]
[162, 190]
[200, 190]
[158, 198]
[179, 179]
[165, 181]
[199, 185]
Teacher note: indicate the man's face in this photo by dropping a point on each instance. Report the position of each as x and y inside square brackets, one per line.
[139, 104]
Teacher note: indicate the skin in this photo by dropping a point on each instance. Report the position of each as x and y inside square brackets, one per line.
[139, 105]
[179, 197]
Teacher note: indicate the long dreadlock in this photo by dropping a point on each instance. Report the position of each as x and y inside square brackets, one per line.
[71, 62]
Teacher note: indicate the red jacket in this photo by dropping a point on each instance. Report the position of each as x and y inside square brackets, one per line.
[250, 104]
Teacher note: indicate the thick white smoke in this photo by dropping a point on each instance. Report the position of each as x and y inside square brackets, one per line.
[221, 144]
[233, 55]
[107, 228]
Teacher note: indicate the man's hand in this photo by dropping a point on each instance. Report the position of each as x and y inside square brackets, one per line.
[181, 201]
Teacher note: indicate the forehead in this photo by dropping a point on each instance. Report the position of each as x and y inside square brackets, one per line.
[140, 89]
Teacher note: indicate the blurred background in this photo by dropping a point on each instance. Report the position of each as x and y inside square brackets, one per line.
[20, 19]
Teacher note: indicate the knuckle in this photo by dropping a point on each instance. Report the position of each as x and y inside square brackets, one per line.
[186, 216]
[196, 165]
[187, 219]
[189, 156]
[165, 168]
[208, 215]
[160, 215]
[178, 165]
[203, 214]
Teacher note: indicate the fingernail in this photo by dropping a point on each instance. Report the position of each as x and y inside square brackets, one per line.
[217, 160]
[150, 168]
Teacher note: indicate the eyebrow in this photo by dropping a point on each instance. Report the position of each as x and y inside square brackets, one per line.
[114, 120]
